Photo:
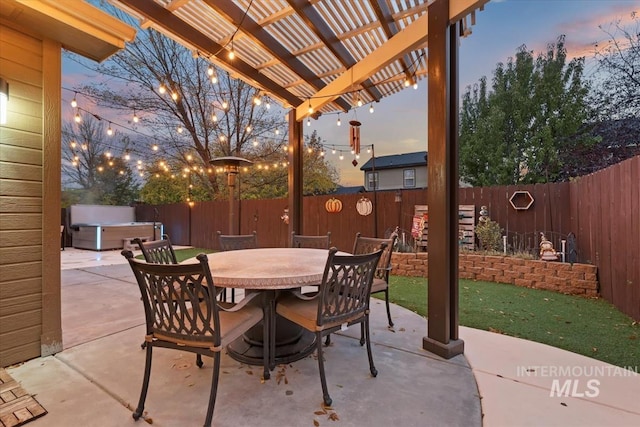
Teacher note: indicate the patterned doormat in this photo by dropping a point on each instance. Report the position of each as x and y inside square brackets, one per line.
[16, 406]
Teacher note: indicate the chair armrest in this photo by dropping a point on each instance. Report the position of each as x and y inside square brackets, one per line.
[305, 297]
[231, 307]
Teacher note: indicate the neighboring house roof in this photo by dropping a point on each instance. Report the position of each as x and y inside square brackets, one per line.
[396, 161]
[349, 190]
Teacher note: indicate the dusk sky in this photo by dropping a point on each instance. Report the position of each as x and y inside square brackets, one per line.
[398, 124]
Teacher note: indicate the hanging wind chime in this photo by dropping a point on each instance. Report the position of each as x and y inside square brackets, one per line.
[354, 139]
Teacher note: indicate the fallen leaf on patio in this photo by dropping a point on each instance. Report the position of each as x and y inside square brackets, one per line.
[563, 404]
[402, 329]
[595, 349]
[249, 372]
[316, 423]
[288, 392]
[326, 408]
[339, 385]
[320, 412]
[391, 329]
[149, 420]
[334, 417]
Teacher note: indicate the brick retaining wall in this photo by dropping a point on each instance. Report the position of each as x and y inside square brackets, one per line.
[573, 279]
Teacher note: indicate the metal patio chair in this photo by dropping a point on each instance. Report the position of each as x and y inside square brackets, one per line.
[229, 242]
[312, 242]
[194, 324]
[342, 301]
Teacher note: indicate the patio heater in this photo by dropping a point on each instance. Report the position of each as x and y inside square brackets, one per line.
[231, 166]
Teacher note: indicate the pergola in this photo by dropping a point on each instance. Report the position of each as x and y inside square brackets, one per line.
[322, 56]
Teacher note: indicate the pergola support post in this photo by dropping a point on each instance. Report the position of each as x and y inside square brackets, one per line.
[442, 336]
[295, 174]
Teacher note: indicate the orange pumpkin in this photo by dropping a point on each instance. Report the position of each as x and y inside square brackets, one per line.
[364, 206]
[333, 205]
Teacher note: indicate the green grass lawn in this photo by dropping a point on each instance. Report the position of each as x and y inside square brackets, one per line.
[587, 326]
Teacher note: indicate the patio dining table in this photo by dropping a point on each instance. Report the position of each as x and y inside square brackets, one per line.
[269, 271]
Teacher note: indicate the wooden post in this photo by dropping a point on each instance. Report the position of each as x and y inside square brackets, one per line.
[442, 199]
[295, 174]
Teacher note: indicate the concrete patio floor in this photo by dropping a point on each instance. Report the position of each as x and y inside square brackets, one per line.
[499, 381]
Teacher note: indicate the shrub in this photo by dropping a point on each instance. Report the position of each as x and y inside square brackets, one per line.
[489, 235]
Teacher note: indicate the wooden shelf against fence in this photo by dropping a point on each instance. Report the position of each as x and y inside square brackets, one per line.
[466, 226]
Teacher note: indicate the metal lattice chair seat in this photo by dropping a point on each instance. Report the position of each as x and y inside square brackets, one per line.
[195, 321]
[342, 299]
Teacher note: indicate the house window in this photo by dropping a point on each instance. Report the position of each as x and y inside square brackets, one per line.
[409, 178]
[372, 181]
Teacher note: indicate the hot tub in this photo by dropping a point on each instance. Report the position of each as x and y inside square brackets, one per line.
[100, 237]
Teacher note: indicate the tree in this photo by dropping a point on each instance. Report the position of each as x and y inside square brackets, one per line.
[514, 134]
[617, 77]
[202, 112]
[91, 173]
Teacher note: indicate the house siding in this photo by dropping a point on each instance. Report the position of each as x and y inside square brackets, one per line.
[29, 181]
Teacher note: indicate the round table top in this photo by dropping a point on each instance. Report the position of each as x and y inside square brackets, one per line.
[267, 268]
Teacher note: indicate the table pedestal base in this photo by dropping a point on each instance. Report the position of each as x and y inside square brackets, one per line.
[292, 343]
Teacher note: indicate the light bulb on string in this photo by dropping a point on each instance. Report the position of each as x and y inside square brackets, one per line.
[214, 118]
[308, 122]
[268, 104]
[310, 109]
[127, 156]
[136, 119]
[210, 70]
[255, 142]
[322, 153]
[333, 151]
[73, 144]
[74, 103]
[154, 147]
[162, 89]
[232, 53]
[407, 83]
[371, 108]
[257, 100]
[174, 96]
[225, 105]
[214, 79]
[85, 147]
[338, 123]
[77, 117]
[108, 154]
[180, 130]
[415, 86]
[249, 129]
[341, 156]
[109, 130]
[277, 131]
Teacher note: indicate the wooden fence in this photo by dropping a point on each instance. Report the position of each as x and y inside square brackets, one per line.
[602, 210]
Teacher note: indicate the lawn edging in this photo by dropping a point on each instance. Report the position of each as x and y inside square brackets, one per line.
[566, 278]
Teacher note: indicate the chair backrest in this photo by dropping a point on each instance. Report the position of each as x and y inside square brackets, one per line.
[233, 243]
[185, 285]
[313, 242]
[363, 245]
[346, 286]
[157, 251]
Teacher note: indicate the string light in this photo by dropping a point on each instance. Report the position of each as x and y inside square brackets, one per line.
[109, 130]
[371, 108]
[268, 104]
[214, 79]
[77, 117]
[154, 147]
[214, 118]
[174, 96]
[308, 122]
[73, 144]
[225, 105]
[249, 128]
[407, 83]
[135, 117]
[255, 142]
[232, 53]
[74, 103]
[210, 71]
[338, 123]
[257, 100]
[179, 129]
[277, 131]
[162, 89]
[310, 107]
